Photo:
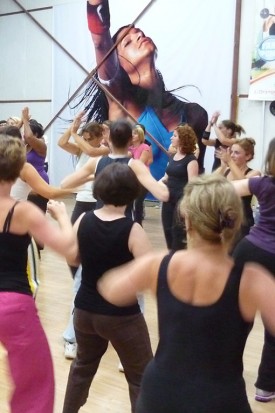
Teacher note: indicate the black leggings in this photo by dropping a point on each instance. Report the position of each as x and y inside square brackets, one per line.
[173, 226]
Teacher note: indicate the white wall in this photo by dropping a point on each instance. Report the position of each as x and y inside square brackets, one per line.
[202, 54]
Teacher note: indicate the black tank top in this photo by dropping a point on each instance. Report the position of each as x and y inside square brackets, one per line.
[199, 357]
[13, 258]
[102, 245]
[246, 201]
[178, 176]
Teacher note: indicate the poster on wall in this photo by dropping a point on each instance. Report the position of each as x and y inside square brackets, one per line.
[262, 76]
[169, 67]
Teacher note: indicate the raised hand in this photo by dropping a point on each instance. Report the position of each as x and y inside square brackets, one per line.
[80, 117]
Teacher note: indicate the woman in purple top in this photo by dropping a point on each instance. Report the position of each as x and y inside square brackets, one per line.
[36, 147]
[259, 246]
[36, 152]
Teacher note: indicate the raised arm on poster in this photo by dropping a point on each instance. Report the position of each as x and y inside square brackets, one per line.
[131, 76]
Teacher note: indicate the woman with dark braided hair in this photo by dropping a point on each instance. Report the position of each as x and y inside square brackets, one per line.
[130, 75]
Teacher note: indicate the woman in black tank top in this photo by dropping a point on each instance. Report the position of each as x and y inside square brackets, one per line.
[181, 167]
[107, 238]
[234, 166]
[21, 332]
[206, 307]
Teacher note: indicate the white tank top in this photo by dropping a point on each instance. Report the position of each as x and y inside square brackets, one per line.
[20, 190]
[85, 191]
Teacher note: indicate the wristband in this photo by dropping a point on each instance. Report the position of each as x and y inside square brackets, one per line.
[205, 135]
[98, 17]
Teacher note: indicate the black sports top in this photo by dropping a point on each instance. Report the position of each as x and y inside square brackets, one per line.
[246, 201]
[198, 363]
[103, 245]
[178, 176]
[13, 259]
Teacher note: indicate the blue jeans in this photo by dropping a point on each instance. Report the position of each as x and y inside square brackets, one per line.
[69, 334]
[129, 337]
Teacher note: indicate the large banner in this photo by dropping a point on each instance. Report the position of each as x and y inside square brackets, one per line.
[179, 51]
[262, 80]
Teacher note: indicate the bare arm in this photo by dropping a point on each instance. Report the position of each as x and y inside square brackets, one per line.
[223, 139]
[157, 188]
[257, 293]
[73, 257]
[98, 15]
[227, 162]
[120, 285]
[81, 176]
[64, 140]
[58, 237]
[139, 243]
[205, 137]
[30, 175]
[64, 143]
[221, 169]
[192, 169]
[208, 142]
[145, 157]
[241, 187]
[88, 149]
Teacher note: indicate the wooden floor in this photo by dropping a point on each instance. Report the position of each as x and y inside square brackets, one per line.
[109, 391]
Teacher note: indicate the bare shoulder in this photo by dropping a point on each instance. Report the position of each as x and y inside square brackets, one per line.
[28, 210]
[149, 263]
[188, 257]
[25, 170]
[253, 174]
[26, 215]
[137, 165]
[153, 259]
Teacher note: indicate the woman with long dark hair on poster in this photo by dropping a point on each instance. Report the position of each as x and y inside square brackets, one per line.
[130, 75]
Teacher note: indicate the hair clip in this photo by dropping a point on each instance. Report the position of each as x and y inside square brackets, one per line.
[225, 221]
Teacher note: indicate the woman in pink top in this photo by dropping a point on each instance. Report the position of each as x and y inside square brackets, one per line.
[140, 150]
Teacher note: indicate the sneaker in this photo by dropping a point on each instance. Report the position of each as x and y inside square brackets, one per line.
[70, 350]
[120, 367]
[264, 396]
